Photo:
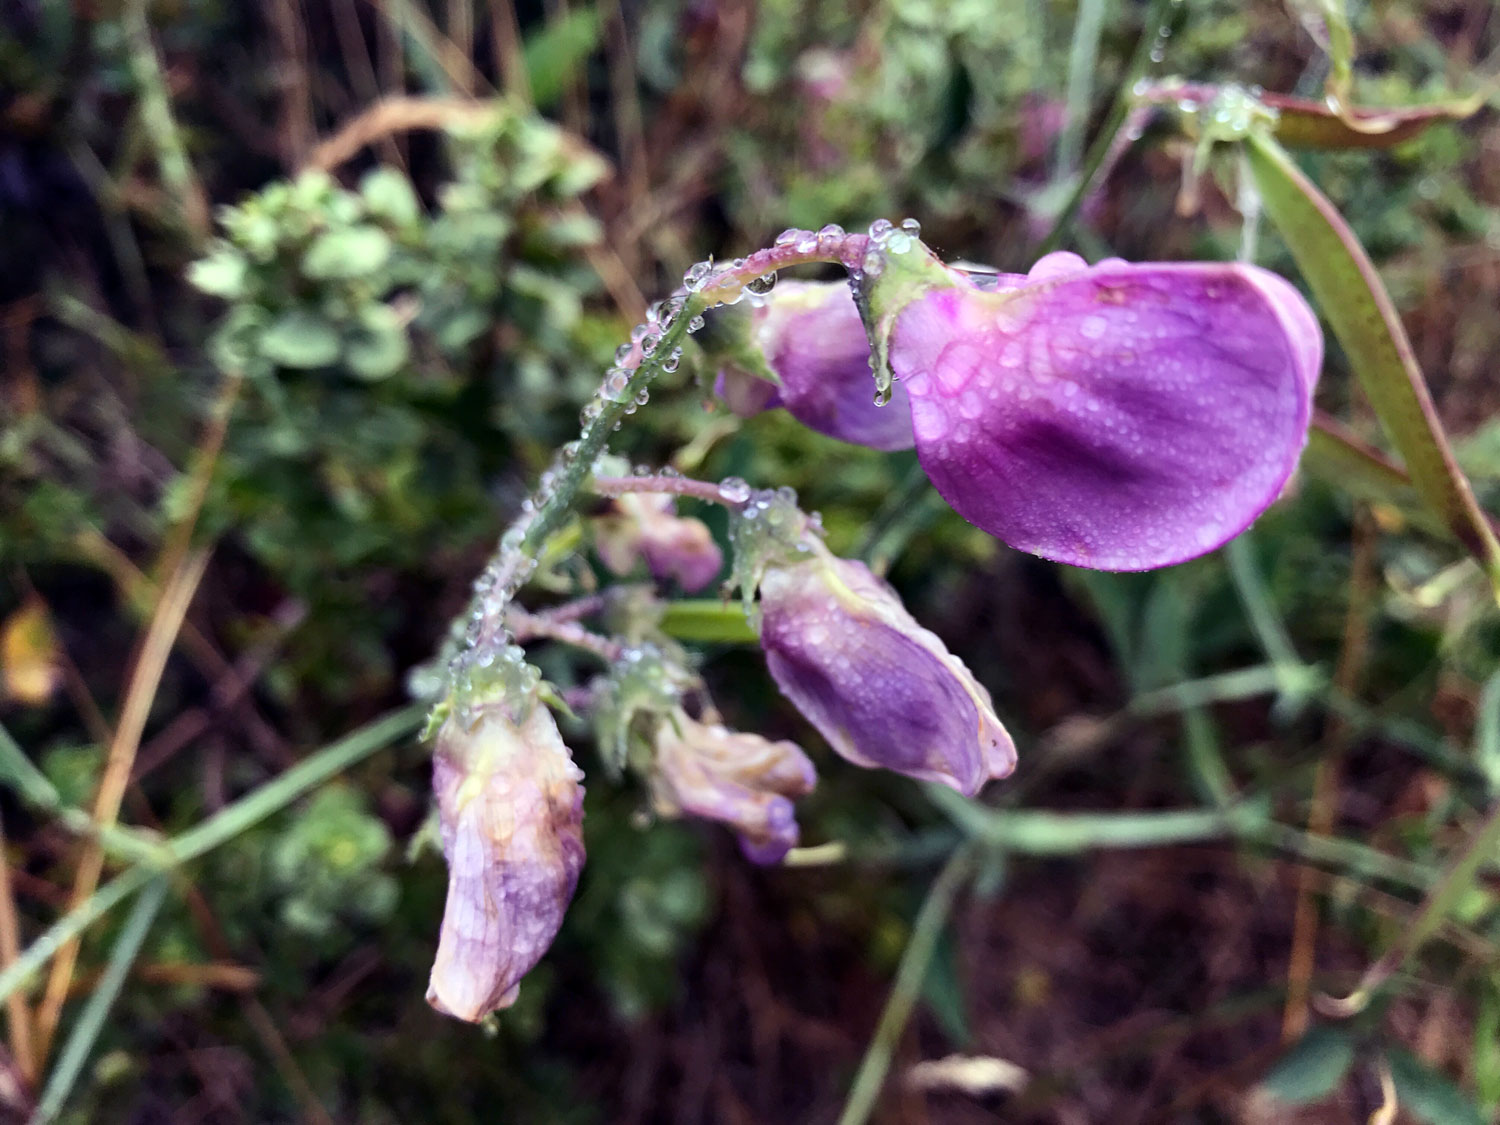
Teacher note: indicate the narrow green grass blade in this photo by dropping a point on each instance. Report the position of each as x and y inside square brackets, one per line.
[75, 1052]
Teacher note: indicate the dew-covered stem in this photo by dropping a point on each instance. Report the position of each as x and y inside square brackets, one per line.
[476, 657]
[731, 493]
[526, 626]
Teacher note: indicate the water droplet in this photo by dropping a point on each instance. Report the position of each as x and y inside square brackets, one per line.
[881, 229]
[669, 364]
[882, 396]
[696, 275]
[789, 236]
[734, 490]
[762, 284]
[695, 324]
[831, 231]
[912, 227]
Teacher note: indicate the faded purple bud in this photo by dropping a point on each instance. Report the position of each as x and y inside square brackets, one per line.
[882, 690]
[511, 811]
[646, 526]
[1118, 416]
[743, 780]
[814, 341]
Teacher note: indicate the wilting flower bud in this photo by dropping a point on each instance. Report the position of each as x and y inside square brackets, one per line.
[880, 688]
[646, 526]
[813, 340]
[743, 780]
[1118, 416]
[511, 811]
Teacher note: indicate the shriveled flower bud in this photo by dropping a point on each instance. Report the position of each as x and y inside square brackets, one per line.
[743, 780]
[813, 340]
[647, 526]
[511, 811]
[882, 690]
[1118, 416]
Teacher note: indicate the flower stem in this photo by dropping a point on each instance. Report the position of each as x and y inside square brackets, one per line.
[557, 493]
[909, 977]
[526, 626]
[707, 491]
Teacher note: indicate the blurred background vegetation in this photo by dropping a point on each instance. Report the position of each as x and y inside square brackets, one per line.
[296, 299]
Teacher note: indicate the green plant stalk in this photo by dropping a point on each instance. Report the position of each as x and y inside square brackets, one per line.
[1156, 18]
[910, 974]
[1038, 833]
[33, 786]
[1049, 834]
[555, 500]
[90, 1023]
[1487, 732]
[1454, 884]
[216, 830]
[156, 115]
[1242, 683]
[1083, 56]
[1255, 597]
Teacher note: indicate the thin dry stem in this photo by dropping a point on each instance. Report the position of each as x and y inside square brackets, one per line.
[1326, 783]
[145, 679]
[394, 115]
[17, 1011]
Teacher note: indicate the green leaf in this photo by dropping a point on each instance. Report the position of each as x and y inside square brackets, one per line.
[1312, 1067]
[1429, 1096]
[300, 339]
[555, 54]
[346, 252]
[221, 274]
[379, 347]
[1304, 123]
[389, 195]
[943, 990]
[1363, 317]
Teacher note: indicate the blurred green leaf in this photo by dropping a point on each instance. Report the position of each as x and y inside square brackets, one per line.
[1304, 123]
[1428, 1096]
[300, 339]
[1312, 1067]
[555, 54]
[348, 252]
[379, 346]
[389, 195]
[221, 274]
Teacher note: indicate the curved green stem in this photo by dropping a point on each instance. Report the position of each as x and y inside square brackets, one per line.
[484, 635]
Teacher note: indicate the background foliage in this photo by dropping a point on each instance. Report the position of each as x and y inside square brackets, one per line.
[297, 298]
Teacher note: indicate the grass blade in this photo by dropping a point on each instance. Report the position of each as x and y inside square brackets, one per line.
[90, 1023]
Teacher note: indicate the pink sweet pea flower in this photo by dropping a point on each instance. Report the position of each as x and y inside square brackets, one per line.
[885, 692]
[511, 811]
[813, 340]
[646, 526]
[745, 781]
[1118, 416]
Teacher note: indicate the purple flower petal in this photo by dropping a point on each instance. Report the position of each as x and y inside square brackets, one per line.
[741, 779]
[646, 526]
[1120, 417]
[813, 339]
[511, 812]
[882, 690]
